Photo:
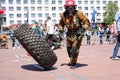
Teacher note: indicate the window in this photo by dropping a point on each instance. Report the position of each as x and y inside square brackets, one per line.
[98, 8]
[116, 2]
[32, 8]
[46, 1]
[2, 1]
[91, 7]
[104, 8]
[110, 2]
[11, 15]
[85, 2]
[10, 1]
[104, 14]
[40, 15]
[53, 14]
[46, 14]
[86, 8]
[59, 1]
[104, 2]
[80, 8]
[11, 22]
[25, 2]
[53, 8]
[40, 21]
[33, 21]
[32, 1]
[25, 21]
[98, 14]
[39, 1]
[3, 7]
[91, 2]
[60, 8]
[19, 16]
[18, 1]
[25, 8]
[54, 21]
[98, 2]
[4, 15]
[53, 1]
[46, 8]
[18, 8]
[98, 20]
[11, 8]
[25, 15]
[39, 8]
[19, 21]
[33, 15]
[79, 2]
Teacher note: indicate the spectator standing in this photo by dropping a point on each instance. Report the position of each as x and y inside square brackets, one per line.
[38, 29]
[44, 29]
[108, 34]
[15, 42]
[101, 34]
[117, 34]
[50, 29]
[33, 26]
[88, 35]
[111, 39]
[10, 31]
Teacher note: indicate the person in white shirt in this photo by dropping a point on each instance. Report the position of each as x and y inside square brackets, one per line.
[50, 29]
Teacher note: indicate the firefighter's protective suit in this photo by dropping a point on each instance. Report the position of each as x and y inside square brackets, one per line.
[76, 23]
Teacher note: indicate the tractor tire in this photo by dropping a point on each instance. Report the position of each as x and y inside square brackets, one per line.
[38, 48]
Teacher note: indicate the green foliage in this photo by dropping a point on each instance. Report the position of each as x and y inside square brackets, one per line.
[110, 11]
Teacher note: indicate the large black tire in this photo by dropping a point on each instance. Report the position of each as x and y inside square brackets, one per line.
[38, 48]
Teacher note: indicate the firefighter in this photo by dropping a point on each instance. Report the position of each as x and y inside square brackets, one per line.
[76, 23]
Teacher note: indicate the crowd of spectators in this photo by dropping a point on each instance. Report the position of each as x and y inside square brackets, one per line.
[92, 35]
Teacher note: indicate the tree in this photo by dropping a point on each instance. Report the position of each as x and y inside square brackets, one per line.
[110, 11]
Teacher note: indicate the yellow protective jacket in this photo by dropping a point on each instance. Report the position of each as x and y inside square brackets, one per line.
[73, 23]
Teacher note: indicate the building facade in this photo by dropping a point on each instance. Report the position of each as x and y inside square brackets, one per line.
[18, 11]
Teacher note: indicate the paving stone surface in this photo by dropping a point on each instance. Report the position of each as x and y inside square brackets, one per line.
[94, 63]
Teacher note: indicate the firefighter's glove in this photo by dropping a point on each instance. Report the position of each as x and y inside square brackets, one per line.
[80, 32]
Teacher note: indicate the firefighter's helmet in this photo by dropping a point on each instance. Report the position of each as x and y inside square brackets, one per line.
[70, 3]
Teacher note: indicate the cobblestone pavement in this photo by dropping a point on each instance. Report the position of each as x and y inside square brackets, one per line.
[94, 63]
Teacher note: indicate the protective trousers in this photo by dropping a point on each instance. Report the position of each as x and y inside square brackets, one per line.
[73, 45]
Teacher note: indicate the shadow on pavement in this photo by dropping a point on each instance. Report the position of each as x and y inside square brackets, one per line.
[36, 67]
[77, 65]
